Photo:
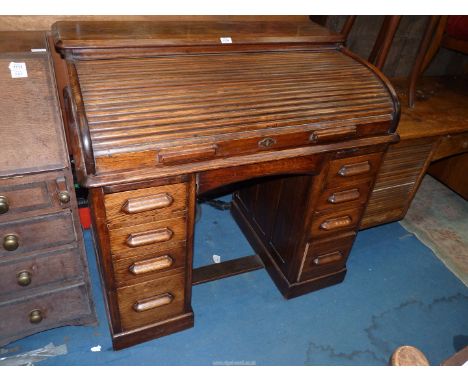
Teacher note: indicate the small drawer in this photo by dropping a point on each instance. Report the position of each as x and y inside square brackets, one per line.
[346, 170]
[43, 311]
[144, 238]
[330, 222]
[151, 301]
[32, 195]
[326, 256]
[37, 233]
[25, 273]
[343, 197]
[146, 267]
[145, 205]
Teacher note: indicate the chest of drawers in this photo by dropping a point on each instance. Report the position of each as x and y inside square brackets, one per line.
[160, 113]
[43, 269]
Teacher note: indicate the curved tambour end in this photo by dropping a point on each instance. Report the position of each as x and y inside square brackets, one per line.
[385, 81]
[77, 121]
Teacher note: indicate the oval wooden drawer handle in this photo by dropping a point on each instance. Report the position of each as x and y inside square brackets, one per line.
[149, 237]
[147, 203]
[336, 223]
[328, 258]
[344, 196]
[153, 302]
[355, 169]
[151, 265]
[332, 134]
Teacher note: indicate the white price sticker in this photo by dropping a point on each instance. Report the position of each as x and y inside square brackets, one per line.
[18, 69]
[226, 40]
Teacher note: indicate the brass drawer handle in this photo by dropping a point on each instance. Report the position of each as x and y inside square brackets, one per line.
[10, 242]
[266, 143]
[151, 265]
[35, 316]
[319, 136]
[64, 197]
[336, 223]
[328, 258]
[153, 302]
[24, 278]
[147, 203]
[149, 237]
[355, 169]
[344, 196]
[4, 205]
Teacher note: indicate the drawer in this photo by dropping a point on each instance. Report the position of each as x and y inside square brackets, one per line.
[37, 233]
[145, 205]
[25, 273]
[343, 171]
[326, 256]
[43, 311]
[31, 195]
[145, 238]
[225, 146]
[330, 222]
[146, 267]
[344, 196]
[151, 301]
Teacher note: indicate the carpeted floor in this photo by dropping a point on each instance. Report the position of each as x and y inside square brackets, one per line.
[396, 292]
[439, 218]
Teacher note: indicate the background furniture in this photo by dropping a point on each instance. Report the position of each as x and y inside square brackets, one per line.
[43, 269]
[442, 31]
[436, 128]
[178, 110]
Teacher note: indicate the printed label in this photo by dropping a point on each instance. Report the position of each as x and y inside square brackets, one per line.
[18, 69]
[226, 40]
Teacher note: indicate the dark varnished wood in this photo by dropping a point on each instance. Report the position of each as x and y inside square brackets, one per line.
[226, 269]
[47, 273]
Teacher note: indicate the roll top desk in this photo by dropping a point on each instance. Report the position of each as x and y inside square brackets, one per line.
[159, 113]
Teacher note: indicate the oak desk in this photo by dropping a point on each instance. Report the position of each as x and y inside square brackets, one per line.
[162, 112]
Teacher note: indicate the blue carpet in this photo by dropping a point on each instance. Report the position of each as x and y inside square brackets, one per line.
[396, 292]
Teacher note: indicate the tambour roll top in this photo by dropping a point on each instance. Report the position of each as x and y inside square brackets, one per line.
[176, 97]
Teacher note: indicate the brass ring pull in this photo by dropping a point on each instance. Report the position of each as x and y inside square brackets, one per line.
[24, 278]
[4, 206]
[10, 242]
[35, 316]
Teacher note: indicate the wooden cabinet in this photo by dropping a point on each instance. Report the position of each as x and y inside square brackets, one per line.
[43, 269]
[160, 113]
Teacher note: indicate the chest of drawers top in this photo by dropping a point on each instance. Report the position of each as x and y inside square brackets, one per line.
[31, 131]
[152, 99]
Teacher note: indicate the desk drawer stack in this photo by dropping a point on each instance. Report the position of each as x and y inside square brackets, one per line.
[305, 241]
[143, 236]
[43, 269]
